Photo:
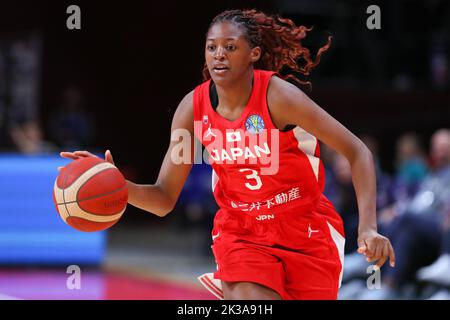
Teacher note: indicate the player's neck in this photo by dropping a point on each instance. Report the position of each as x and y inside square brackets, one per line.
[237, 94]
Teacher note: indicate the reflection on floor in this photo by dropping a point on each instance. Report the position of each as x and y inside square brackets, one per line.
[51, 284]
[140, 263]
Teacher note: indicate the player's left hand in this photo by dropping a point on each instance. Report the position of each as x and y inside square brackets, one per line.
[376, 248]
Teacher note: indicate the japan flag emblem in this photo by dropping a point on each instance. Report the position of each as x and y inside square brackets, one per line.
[233, 136]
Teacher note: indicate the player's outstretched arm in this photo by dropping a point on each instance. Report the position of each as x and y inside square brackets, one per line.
[289, 105]
[161, 197]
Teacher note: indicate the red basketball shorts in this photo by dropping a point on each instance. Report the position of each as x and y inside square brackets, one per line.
[297, 252]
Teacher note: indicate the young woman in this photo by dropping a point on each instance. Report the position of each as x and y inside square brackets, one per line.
[275, 236]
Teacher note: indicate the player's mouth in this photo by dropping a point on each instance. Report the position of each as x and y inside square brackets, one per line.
[220, 69]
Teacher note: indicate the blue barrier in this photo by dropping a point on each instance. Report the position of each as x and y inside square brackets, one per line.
[31, 231]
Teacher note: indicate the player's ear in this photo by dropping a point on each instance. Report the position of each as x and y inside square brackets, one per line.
[255, 54]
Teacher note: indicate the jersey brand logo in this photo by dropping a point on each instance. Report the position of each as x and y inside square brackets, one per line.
[209, 132]
[205, 119]
[311, 231]
[214, 236]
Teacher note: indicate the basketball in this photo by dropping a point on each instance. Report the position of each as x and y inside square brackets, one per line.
[90, 194]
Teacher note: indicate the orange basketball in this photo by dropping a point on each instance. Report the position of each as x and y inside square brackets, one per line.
[90, 194]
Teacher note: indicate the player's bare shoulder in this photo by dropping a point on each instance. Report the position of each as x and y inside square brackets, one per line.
[184, 115]
[281, 91]
[281, 97]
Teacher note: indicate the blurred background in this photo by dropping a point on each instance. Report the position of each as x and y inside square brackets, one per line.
[115, 84]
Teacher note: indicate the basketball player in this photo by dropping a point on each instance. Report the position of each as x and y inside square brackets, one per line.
[275, 235]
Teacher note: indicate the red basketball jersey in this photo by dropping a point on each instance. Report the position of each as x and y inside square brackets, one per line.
[256, 167]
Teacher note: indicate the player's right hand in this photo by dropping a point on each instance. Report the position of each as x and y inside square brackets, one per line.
[82, 154]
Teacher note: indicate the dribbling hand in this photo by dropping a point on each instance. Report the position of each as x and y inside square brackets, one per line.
[82, 154]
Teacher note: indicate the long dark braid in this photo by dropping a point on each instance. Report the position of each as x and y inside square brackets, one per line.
[280, 42]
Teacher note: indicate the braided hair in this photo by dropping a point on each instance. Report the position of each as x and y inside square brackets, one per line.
[279, 40]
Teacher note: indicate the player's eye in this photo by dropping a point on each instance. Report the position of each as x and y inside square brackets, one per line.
[231, 47]
[210, 47]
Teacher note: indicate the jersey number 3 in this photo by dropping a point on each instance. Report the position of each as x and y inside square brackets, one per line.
[254, 175]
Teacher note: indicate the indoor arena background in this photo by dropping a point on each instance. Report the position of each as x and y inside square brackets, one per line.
[115, 84]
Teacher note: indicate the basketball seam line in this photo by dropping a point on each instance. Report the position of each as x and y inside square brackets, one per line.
[88, 179]
[97, 214]
[93, 197]
[76, 196]
[103, 215]
[81, 187]
[64, 196]
[79, 175]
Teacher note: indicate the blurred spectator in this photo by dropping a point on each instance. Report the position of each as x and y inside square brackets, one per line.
[410, 162]
[24, 81]
[27, 137]
[71, 126]
[411, 169]
[438, 272]
[20, 71]
[416, 231]
[439, 63]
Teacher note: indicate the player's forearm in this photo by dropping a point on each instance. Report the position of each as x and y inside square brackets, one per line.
[150, 198]
[364, 181]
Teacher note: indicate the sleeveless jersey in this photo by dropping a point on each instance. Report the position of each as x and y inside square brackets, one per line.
[257, 168]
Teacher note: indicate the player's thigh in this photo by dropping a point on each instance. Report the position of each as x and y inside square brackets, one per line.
[248, 291]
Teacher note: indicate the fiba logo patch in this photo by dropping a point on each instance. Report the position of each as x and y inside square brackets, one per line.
[254, 124]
